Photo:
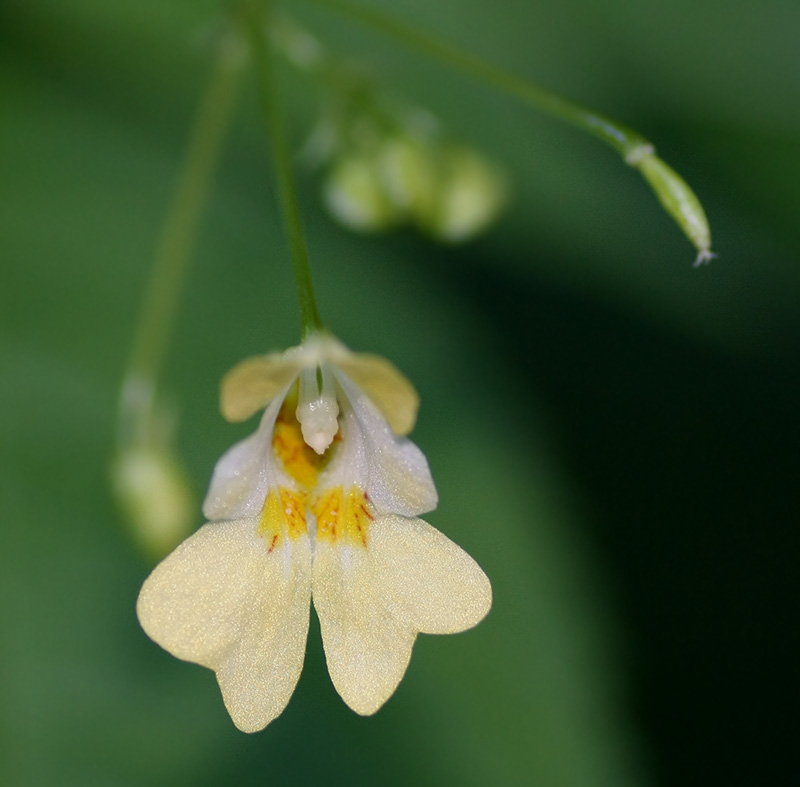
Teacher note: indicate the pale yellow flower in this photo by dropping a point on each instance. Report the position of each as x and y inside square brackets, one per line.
[321, 501]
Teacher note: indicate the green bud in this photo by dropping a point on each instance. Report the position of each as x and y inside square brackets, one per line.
[678, 200]
[408, 172]
[471, 194]
[155, 497]
[356, 195]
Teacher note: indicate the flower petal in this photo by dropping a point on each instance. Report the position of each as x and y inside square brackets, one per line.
[366, 646]
[223, 599]
[253, 383]
[390, 391]
[372, 601]
[246, 472]
[438, 586]
[392, 470]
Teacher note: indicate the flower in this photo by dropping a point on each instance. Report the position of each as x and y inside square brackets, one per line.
[321, 501]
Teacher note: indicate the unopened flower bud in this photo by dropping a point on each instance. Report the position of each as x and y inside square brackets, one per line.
[154, 494]
[470, 197]
[355, 194]
[408, 173]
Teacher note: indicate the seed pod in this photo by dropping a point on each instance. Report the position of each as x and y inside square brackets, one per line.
[678, 200]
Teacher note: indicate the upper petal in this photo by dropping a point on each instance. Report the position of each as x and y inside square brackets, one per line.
[227, 600]
[389, 389]
[392, 470]
[247, 471]
[254, 382]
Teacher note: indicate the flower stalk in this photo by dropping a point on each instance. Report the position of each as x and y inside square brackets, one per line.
[174, 251]
[149, 481]
[258, 17]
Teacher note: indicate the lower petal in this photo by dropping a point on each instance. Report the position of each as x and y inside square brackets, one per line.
[429, 580]
[367, 647]
[223, 599]
[373, 599]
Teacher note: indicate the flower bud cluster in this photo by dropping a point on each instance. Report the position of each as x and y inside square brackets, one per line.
[381, 175]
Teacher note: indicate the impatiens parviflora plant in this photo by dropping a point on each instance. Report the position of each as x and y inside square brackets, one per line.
[320, 502]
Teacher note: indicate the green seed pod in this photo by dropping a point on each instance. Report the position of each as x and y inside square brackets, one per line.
[678, 200]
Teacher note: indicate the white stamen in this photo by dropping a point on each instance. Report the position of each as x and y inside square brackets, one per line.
[317, 410]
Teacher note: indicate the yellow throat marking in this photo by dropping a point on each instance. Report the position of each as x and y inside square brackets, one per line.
[299, 460]
[284, 512]
[343, 517]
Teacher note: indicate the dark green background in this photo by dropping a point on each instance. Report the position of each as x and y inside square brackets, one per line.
[613, 433]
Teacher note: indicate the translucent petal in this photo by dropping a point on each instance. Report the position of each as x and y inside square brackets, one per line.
[434, 583]
[246, 472]
[367, 647]
[392, 470]
[253, 383]
[224, 600]
[386, 386]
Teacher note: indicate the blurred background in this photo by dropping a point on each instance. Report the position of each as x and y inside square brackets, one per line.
[613, 433]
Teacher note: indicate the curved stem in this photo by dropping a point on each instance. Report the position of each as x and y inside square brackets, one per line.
[258, 18]
[176, 244]
[629, 143]
[672, 191]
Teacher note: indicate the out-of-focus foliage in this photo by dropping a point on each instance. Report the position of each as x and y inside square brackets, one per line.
[603, 421]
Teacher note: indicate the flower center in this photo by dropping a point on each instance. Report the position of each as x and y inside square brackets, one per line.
[284, 512]
[343, 516]
[299, 459]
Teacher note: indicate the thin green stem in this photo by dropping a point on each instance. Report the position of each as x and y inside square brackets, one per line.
[673, 192]
[174, 250]
[258, 15]
[629, 143]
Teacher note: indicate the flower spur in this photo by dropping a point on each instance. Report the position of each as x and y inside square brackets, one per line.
[321, 501]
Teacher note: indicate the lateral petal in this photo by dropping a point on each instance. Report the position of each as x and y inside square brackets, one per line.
[225, 600]
[246, 472]
[392, 470]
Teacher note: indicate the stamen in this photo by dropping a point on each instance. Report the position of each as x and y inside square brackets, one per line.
[317, 408]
